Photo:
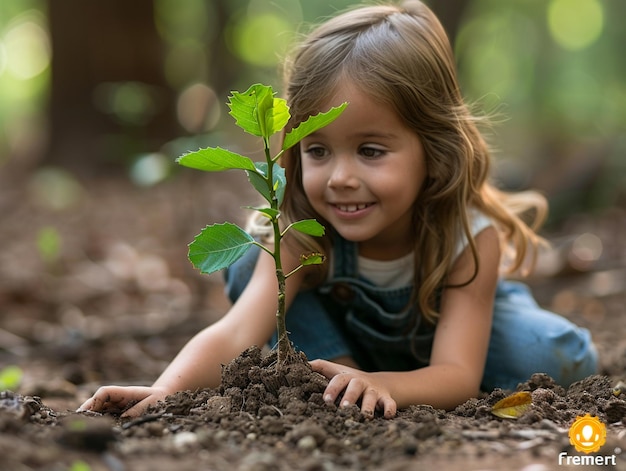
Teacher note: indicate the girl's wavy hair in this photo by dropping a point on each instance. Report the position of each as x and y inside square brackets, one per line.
[401, 56]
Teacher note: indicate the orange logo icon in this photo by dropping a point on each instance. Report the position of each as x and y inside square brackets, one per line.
[587, 434]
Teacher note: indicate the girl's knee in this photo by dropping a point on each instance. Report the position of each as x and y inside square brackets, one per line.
[561, 367]
[576, 362]
[542, 342]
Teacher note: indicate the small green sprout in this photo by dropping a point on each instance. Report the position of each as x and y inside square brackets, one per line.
[80, 466]
[258, 112]
[10, 378]
[49, 244]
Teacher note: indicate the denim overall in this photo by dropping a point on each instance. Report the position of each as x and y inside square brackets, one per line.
[349, 316]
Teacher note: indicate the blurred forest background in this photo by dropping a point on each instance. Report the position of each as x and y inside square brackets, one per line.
[120, 87]
[98, 98]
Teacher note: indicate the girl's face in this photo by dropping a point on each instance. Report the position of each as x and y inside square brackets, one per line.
[363, 174]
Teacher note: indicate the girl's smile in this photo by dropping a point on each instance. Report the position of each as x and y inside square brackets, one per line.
[363, 174]
[349, 210]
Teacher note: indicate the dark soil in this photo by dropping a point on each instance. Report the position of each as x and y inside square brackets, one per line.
[120, 300]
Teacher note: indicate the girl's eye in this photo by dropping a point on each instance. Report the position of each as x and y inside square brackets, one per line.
[371, 152]
[316, 152]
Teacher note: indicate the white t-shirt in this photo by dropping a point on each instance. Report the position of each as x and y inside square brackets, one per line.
[398, 273]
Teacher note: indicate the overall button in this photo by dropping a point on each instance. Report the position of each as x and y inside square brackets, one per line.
[343, 292]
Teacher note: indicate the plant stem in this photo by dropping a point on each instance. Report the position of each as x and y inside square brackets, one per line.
[285, 350]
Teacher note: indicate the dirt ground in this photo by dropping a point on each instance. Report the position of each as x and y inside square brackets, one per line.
[118, 299]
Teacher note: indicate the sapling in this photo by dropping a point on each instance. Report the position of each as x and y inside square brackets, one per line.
[258, 112]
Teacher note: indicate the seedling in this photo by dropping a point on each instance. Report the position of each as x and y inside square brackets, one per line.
[10, 378]
[258, 112]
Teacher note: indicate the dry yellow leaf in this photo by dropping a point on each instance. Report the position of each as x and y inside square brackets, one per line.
[513, 406]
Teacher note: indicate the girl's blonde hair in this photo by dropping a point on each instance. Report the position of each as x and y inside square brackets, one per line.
[401, 56]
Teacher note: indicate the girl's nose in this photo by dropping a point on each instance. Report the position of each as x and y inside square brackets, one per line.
[343, 174]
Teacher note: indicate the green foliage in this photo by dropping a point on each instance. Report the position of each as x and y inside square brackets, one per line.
[312, 259]
[308, 226]
[215, 160]
[311, 125]
[10, 378]
[218, 247]
[260, 183]
[258, 112]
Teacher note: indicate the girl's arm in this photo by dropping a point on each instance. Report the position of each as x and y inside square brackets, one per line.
[459, 349]
[250, 321]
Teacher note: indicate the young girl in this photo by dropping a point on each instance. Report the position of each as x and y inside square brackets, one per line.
[410, 308]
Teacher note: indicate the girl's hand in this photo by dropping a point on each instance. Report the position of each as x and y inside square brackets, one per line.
[131, 401]
[355, 385]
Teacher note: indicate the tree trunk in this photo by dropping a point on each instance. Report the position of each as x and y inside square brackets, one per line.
[95, 44]
[450, 13]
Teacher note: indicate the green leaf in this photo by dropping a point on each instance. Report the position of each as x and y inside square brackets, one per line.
[280, 182]
[243, 107]
[276, 116]
[259, 181]
[219, 246]
[269, 213]
[258, 112]
[215, 159]
[314, 123]
[308, 226]
[314, 258]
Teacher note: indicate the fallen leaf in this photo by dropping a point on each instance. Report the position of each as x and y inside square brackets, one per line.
[513, 406]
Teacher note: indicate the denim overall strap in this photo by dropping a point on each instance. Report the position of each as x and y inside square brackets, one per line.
[384, 330]
[345, 258]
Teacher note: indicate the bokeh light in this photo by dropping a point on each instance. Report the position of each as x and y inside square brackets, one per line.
[259, 39]
[150, 169]
[575, 24]
[185, 61]
[494, 60]
[131, 103]
[188, 32]
[177, 23]
[55, 188]
[25, 58]
[198, 108]
[3, 57]
[27, 46]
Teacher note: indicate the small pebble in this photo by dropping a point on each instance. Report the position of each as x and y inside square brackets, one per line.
[184, 439]
[307, 443]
